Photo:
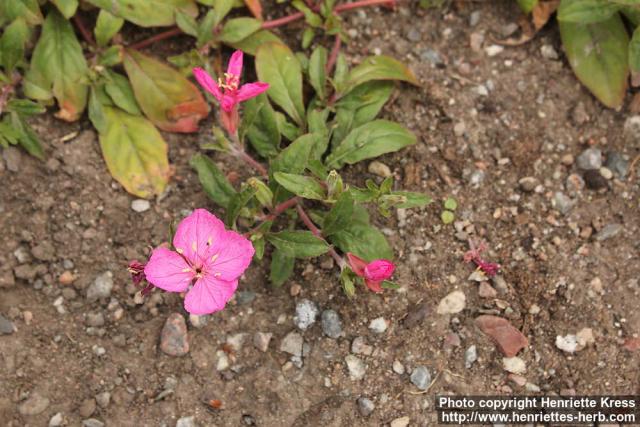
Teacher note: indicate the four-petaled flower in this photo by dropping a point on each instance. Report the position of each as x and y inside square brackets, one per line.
[374, 272]
[207, 256]
[228, 92]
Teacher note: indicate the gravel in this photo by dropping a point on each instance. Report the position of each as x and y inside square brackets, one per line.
[292, 344]
[608, 231]
[101, 287]
[174, 340]
[515, 365]
[6, 326]
[261, 340]
[365, 406]
[34, 405]
[470, 356]
[567, 343]
[378, 325]
[617, 164]
[453, 303]
[140, 205]
[306, 313]
[356, 367]
[331, 324]
[398, 367]
[420, 377]
[589, 159]
[186, 422]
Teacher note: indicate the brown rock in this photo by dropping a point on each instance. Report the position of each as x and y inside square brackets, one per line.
[66, 278]
[508, 339]
[486, 290]
[174, 339]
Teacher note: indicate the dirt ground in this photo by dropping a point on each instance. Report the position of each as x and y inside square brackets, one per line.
[483, 123]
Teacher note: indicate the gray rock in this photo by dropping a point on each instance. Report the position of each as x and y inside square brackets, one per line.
[608, 231]
[101, 287]
[470, 356]
[378, 325]
[306, 313]
[186, 422]
[414, 35]
[631, 130]
[477, 177]
[103, 399]
[34, 405]
[365, 406]
[359, 346]
[474, 18]
[562, 203]
[44, 251]
[420, 377]
[617, 164]
[12, 158]
[56, 420]
[431, 56]
[356, 367]
[6, 326]
[245, 297]
[95, 319]
[140, 205]
[292, 344]
[92, 422]
[22, 255]
[261, 340]
[589, 159]
[331, 324]
[174, 339]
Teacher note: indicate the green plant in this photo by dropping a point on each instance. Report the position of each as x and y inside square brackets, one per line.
[596, 40]
[312, 121]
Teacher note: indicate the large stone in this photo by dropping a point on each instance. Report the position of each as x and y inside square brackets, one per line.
[508, 339]
[452, 303]
[174, 339]
[421, 378]
[292, 343]
[356, 367]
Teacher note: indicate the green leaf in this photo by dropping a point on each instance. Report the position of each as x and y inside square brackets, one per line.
[597, 53]
[386, 284]
[347, 279]
[414, 200]
[527, 5]
[264, 195]
[450, 204]
[59, 68]
[307, 37]
[119, 90]
[301, 185]
[134, 151]
[12, 44]
[260, 124]
[205, 28]
[317, 70]
[634, 57]
[294, 158]
[165, 96]
[251, 43]
[107, 26]
[259, 244]
[281, 267]
[286, 128]
[97, 100]
[379, 68]
[298, 244]
[25, 107]
[148, 13]
[360, 106]
[111, 56]
[363, 240]
[278, 66]
[187, 23]
[237, 202]
[447, 217]
[66, 7]
[221, 9]
[27, 138]
[370, 140]
[29, 10]
[238, 29]
[310, 17]
[340, 216]
[213, 181]
[340, 73]
[586, 11]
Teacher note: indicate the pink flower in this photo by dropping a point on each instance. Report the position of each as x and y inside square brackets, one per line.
[229, 93]
[474, 255]
[207, 256]
[374, 273]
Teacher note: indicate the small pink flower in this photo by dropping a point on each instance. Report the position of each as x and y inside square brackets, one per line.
[207, 256]
[229, 93]
[374, 273]
[474, 255]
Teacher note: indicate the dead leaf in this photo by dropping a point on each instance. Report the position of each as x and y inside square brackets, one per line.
[540, 15]
[255, 7]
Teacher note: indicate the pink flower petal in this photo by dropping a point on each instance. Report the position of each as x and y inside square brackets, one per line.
[207, 82]
[379, 270]
[356, 263]
[196, 233]
[209, 295]
[228, 103]
[251, 90]
[168, 270]
[373, 286]
[235, 64]
[229, 257]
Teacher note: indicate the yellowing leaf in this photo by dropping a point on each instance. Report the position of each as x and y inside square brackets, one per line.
[165, 96]
[255, 7]
[58, 68]
[135, 152]
[148, 13]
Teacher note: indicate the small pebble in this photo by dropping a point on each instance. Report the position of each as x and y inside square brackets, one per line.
[398, 367]
[292, 343]
[608, 231]
[378, 325]
[606, 173]
[174, 339]
[56, 420]
[380, 169]
[6, 326]
[331, 324]
[356, 367]
[493, 50]
[617, 164]
[528, 183]
[186, 422]
[400, 422]
[515, 365]
[306, 313]
[365, 406]
[140, 205]
[359, 346]
[261, 340]
[453, 303]
[420, 377]
[92, 422]
[470, 356]
[567, 343]
[548, 52]
[34, 405]
[101, 287]
[589, 159]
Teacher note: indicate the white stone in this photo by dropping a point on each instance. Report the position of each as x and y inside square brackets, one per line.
[515, 365]
[140, 205]
[453, 303]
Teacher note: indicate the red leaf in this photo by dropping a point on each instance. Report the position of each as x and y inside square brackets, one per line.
[255, 7]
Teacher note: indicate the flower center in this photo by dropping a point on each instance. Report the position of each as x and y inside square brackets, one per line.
[231, 82]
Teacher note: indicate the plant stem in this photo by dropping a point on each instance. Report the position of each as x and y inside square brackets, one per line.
[158, 37]
[237, 149]
[333, 57]
[86, 34]
[275, 212]
[363, 3]
[316, 232]
[282, 21]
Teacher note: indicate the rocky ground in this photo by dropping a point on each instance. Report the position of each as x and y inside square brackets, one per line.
[541, 172]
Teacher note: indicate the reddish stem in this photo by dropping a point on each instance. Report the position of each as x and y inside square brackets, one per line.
[86, 34]
[252, 162]
[316, 232]
[333, 57]
[363, 3]
[275, 212]
[282, 21]
[158, 37]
